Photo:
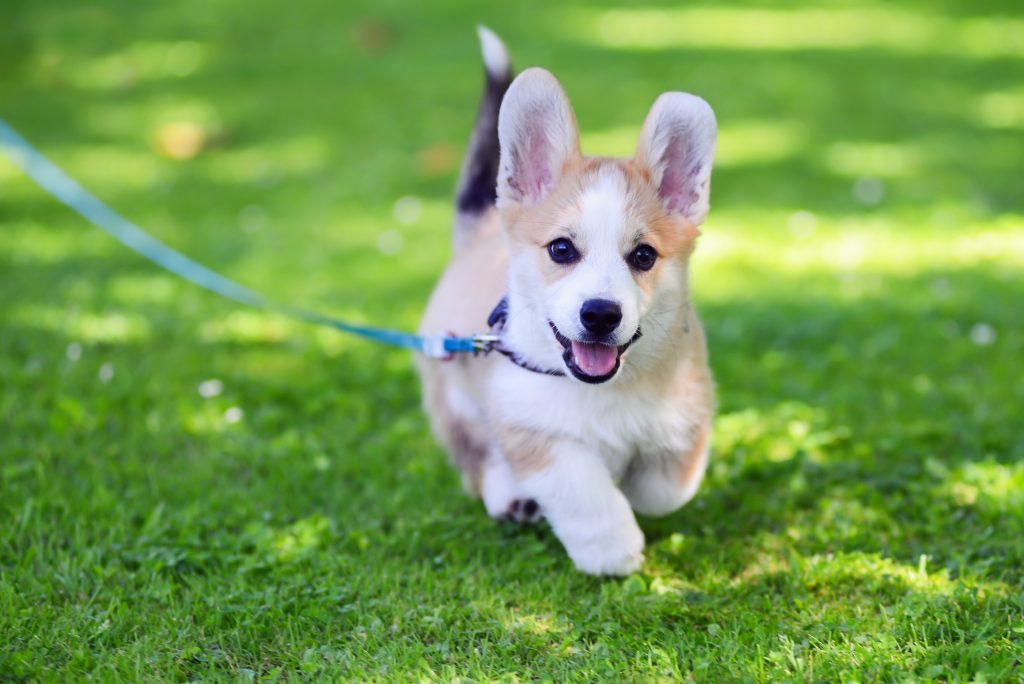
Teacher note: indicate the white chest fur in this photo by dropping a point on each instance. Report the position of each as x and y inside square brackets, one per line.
[617, 423]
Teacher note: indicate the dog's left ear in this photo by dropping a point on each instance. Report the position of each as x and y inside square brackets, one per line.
[538, 138]
[677, 146]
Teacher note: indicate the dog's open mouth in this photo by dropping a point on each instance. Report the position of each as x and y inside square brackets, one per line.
[592, 362]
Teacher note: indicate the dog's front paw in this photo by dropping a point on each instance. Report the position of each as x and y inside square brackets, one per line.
[617, 553]
[522, 512]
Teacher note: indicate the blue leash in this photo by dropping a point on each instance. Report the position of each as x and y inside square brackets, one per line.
[52, 179]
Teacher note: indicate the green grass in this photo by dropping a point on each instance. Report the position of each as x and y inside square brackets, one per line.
[863, 517]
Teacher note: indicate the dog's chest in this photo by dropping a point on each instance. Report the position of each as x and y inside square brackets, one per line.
[619, 426]
[625, 428]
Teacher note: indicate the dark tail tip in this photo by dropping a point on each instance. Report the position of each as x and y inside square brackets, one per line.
[477, 188]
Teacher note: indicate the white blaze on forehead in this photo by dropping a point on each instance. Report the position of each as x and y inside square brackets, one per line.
[600, 233]
[603, 222]
[603, 210]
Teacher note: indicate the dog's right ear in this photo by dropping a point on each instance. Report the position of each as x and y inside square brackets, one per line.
[677, 146]
[538, 136]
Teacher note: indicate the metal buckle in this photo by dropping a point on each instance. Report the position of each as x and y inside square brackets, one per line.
[484, 344]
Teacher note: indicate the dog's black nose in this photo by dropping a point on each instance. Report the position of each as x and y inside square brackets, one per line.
[600, 316]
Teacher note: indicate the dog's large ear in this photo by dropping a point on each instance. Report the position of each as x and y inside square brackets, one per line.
[538, 136]
[677, 145]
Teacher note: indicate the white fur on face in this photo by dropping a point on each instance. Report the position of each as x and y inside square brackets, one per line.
[605, 228]
[662, 319]
[603, 234]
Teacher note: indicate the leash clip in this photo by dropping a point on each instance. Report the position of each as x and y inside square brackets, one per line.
[445, 347]
[484, 344]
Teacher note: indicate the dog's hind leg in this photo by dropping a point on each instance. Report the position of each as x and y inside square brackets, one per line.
[476, 190]
[658, 489]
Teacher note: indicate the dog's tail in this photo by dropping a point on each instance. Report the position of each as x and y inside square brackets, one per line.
[475, 193]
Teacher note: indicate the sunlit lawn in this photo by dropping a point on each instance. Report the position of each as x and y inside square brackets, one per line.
[194, 491]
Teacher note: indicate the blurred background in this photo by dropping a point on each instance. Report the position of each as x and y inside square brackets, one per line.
[859, 277]
[309, 146]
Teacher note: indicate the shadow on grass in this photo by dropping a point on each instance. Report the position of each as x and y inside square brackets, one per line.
[842, 430]
[837, 433]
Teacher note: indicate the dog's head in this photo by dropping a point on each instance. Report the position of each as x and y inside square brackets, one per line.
[599, 247]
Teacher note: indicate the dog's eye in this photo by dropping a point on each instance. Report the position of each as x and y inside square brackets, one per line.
[562, 251]
[642, 258]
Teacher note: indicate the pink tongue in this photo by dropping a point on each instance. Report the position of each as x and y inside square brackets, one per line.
[594, 359]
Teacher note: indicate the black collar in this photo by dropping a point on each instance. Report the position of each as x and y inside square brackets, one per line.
[514, 358]
[496, 321]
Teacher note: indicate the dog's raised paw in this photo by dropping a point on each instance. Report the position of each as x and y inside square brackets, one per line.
[522, 512]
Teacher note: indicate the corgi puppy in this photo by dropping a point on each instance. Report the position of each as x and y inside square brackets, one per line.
[600, 403]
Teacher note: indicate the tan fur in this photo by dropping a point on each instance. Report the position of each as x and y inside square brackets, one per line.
[526, 451]
[690, 463]
[694, 386]
[469, 288]
[472, 284]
